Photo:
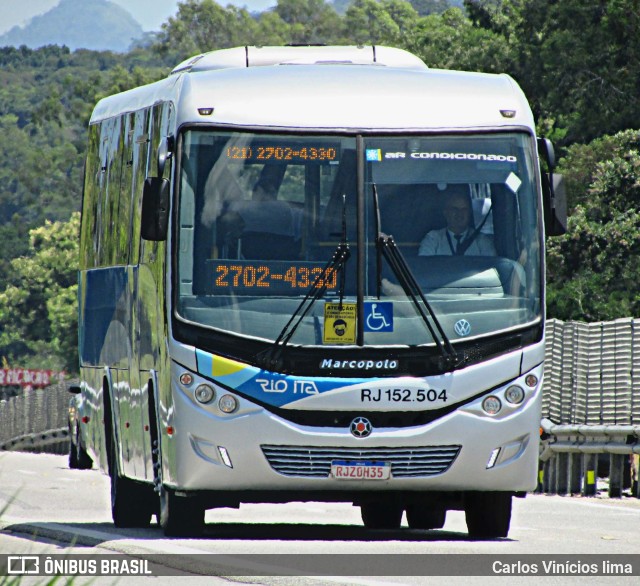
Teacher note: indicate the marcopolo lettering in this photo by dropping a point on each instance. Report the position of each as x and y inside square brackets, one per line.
[359, 364]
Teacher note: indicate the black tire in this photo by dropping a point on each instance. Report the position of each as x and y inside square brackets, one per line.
[180, 516]
[381, 515]
[488, 514]
[83, 459]
[73, 454]
[426, 516]
[131, 502]
[78, 457]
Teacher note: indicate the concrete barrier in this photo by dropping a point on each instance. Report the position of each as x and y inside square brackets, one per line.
[591, 407]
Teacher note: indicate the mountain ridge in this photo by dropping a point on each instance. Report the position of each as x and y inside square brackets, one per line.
[88, 24]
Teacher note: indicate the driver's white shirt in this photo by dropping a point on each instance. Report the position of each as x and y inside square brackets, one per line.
[436, 243]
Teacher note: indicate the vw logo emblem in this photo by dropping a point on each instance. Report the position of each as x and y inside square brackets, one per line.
[462, 327]
[360, 427]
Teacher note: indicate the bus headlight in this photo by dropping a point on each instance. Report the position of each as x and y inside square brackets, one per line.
[228, 404]
[491, 405]
[204, 394]
[514, 394]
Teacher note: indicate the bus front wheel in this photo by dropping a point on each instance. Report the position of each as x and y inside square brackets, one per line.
[488, 514]
[180, 516]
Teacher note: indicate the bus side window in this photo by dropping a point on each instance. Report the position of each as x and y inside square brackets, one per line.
[91, 201]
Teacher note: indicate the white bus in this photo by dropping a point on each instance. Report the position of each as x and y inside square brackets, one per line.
[274, 305]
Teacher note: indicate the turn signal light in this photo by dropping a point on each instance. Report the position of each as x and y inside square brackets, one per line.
[186, 378]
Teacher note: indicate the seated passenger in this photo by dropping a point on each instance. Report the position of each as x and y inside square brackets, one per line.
[459, 237]
[265, 213]
[260, 228]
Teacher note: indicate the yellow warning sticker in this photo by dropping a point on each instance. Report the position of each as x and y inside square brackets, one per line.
[339, 323]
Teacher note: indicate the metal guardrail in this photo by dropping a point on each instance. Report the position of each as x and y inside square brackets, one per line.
[574, 457]
[590, 439]
[36, 441]
[36, 420]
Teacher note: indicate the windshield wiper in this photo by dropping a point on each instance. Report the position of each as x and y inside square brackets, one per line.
[271, 358]
[386, 246]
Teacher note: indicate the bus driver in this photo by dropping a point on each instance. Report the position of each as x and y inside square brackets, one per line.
[459, 237]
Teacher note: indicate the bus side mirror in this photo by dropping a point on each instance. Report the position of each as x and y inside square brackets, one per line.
[554, 200]
[547, 152]
[74, 388]
[554, 196]
[155, 209]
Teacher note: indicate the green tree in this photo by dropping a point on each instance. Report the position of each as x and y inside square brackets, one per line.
[593, 269]
[425, 7]
[272, 30]
[310, 21]
[38, 308]
[498, 16]
[451, 41]
[579, 62]
[46, 99]
[387, 22]
[203, 25]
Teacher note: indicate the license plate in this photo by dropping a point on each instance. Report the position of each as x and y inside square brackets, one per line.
[349, 470]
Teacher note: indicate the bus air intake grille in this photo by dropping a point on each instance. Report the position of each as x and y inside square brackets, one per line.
[313, 461]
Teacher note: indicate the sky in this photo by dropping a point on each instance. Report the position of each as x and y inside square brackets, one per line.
[149, 13]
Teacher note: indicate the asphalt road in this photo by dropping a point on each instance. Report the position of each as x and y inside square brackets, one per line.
[45, 508]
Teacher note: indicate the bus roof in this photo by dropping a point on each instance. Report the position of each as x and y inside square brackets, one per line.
[329, 89]
[307, 54]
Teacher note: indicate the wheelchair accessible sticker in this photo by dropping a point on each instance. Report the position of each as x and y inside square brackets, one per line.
[378, 316]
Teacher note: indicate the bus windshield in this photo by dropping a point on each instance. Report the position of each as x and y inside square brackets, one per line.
[261, 215]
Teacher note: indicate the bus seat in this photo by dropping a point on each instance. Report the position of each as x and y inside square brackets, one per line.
[267, 246]
[504, 212]
[408, 212]
[270, 230]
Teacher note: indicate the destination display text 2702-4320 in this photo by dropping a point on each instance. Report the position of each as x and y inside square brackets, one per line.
[269, 277]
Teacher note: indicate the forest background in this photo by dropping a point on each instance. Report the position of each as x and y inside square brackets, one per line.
[578, 62]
